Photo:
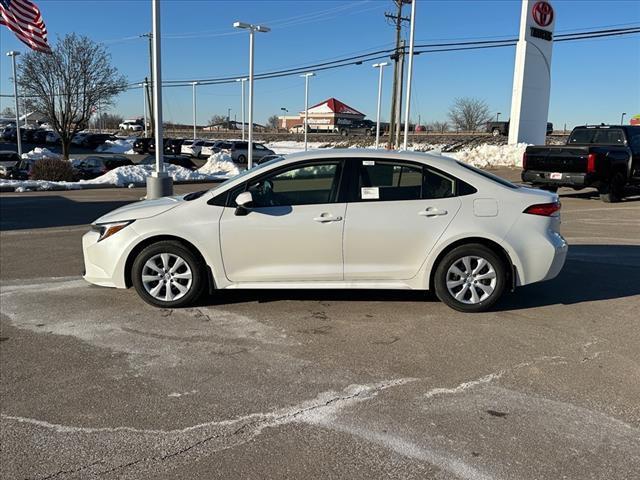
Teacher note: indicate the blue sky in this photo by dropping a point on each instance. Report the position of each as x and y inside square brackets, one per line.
[592, 80]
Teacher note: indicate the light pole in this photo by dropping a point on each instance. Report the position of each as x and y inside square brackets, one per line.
[242, 80]
[306, 105]
[252, 29]
[193, 85]
[498, 116]
[144, 105]
[409, 73]
[380, 67]
[159, 184]
[622, 118]
[13, 54]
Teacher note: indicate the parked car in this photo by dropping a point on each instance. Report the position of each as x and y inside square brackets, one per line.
[141, 145]
[26, 135]
[606, 157]
[9, 159]
[415, 221]
[172, 146]
[21, 170]
[358, 127]
[193, 148]
[9, 133]
[240, 150]
[52, 137]
[297, 129]
[39, 136]
[94, 140]
[131, 125]
[94, 166]
[78, 138]
[173, 160]
[502, 128]
[208, 148]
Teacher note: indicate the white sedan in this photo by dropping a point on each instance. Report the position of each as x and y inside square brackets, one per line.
[336, 219]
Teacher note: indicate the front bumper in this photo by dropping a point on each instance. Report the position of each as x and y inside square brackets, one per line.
[104, 262]
[567, 179]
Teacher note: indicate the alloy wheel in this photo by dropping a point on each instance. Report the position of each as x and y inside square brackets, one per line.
[471, 279]
[167, 277]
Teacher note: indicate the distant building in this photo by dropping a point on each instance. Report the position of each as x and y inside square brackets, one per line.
[328, 115]
[233, 125]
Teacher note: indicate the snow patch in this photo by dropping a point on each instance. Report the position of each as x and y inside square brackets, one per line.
[219, 164]
[491, 156]
[121, 146]
[39, 153]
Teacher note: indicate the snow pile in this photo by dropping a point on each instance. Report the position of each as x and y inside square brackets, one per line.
[117, 146]
[33, 185]
[287, 146]
[219, 164]
[491, 156]
[123, 176]
[40, 153]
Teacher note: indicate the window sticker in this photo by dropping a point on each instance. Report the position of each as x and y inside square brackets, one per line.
[368, 163]
[370, 193]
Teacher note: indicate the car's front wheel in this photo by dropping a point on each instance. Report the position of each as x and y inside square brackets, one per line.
[167, 274]
[470, 278]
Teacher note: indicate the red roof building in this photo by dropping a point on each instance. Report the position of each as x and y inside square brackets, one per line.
[328, 115]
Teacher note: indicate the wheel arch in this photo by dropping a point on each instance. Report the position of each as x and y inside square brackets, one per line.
[491, 244]
[159, 238]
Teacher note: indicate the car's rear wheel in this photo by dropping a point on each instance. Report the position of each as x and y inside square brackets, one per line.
[613, 191]
[167, 274]
[242, 159]
[495, 132]
[470, 278]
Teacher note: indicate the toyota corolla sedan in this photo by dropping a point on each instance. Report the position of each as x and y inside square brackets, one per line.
[335, 219]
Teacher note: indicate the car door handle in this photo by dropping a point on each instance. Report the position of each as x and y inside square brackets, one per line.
[326, 218]
[432, 212]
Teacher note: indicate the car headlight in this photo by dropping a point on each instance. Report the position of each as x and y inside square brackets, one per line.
[107, 229]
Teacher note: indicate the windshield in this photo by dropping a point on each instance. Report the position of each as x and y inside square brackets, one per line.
[601, 136]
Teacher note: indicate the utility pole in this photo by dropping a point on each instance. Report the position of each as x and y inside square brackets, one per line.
[398, 114]
[397, 19]
[150, 84]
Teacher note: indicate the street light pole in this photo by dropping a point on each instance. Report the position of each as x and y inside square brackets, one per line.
[498, 116]
[144, 105]
[379, 66]
[252, 29]
[306, 105]
[409, 73]
[159, 184]
[13, 54]
[622, 118]
[193, 85]
[242, 80]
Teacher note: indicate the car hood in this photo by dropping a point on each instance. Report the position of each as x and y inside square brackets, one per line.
[142, 209]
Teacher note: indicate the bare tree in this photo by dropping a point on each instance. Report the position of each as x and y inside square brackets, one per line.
[218, 120]
[108, 121]
[273, 121]
[440, 127]
[67, 85]
[8, 113]
[468, 114]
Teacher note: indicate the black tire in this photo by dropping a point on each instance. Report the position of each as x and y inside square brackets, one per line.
[456, 255]
[613, 191]
[368, 133]
[496, 132]
[195, 265]
[242, 159]
[344, 133]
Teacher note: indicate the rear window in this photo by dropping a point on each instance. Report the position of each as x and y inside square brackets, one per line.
[488, 176]
[598, 136]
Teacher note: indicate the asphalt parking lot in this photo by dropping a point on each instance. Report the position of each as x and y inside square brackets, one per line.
[316, 384]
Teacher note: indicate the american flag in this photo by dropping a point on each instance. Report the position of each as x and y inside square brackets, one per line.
[23, 18]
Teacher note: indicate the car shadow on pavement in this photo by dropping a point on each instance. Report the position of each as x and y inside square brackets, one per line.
[632, 194]
[591, 273]
[46, 211]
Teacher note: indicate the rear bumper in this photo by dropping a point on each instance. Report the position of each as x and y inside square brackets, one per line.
[567, 179]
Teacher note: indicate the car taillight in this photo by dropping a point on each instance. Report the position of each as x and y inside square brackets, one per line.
[591, 163]
[524, 161]
[543, 209]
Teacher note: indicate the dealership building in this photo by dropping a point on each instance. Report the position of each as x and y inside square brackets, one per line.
[328, 115]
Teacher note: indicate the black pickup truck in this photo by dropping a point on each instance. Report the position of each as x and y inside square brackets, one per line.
[606, 157]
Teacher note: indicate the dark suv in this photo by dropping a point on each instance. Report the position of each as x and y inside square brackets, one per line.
[94, 166]
[358, 127]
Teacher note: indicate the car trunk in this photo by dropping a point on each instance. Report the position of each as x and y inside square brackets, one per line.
[557, 159]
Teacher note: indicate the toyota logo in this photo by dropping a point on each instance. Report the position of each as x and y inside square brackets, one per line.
[542, 13]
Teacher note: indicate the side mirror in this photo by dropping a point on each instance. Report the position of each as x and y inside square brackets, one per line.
[244, 202]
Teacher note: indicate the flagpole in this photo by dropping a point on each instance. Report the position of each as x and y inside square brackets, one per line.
[159, 184]
[13, 54]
